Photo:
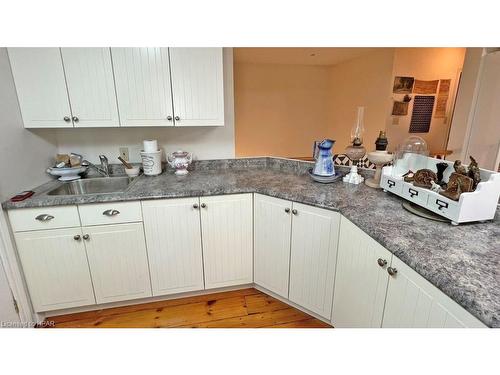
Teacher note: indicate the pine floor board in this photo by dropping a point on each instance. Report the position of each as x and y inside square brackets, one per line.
[246, 308]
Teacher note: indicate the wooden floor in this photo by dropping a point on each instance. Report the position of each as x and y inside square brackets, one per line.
[246, 308]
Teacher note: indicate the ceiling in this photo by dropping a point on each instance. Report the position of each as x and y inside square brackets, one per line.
[298, 55]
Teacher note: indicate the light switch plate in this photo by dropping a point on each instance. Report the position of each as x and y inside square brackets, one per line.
[124, 153]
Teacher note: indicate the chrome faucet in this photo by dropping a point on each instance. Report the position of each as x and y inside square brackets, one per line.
[104, 164]
[103, 170]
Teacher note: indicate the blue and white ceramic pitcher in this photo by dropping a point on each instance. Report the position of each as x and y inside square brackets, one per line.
[324, 162]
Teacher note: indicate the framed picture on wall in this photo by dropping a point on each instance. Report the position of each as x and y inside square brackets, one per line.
[403, 85]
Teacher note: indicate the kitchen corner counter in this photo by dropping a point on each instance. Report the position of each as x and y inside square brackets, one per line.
[462, 261]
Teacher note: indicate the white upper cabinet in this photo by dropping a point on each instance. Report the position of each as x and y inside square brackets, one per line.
[413, 302]
[91, 87]
[360, 280]
[56, 269]
[272, 229]
[143, 88]
[173, 237]
[197, 86]
[313, 257]
[41, 87]
[227, 228]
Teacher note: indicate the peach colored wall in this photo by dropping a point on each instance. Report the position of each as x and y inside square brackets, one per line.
[280, 109]
[426, 64]
[364, 81]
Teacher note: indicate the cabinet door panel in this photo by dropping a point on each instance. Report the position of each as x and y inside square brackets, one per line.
[226, 224]
[412, 302]
[197, 86]
[118, 262]
[272, 230]
[143, 86]
[313, 257]
[91, 86]
[360, 282]
[41, 87]
[173, 237]
[56, 268]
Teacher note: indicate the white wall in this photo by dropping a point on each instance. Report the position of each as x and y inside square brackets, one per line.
[24, 157]
[203, 142]
[465, 104]
[24, 154]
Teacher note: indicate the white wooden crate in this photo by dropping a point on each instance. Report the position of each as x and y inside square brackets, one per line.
[478, 205]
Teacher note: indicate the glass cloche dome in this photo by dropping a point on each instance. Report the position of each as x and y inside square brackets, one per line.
[411, 155]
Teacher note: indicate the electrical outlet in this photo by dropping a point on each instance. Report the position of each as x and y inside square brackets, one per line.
[124, 153]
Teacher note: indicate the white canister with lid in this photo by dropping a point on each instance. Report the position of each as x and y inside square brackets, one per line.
[151, 163]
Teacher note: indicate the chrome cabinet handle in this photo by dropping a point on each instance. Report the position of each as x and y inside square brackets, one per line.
[392, 271]
[111, 212]
[77, 237]
[86, 237]
[295, 212]
[195, 206]
[287, 210]
[75, 119]
[44, 217]
[203, 205]
[169, 118]
[177, 118]
[381, 262]
[67, 118]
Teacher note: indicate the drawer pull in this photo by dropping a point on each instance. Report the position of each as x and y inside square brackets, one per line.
[111, 212]
[413, 192]
[44, 217]
[391, 183]
[86, 237]
[392, 271]
[441, 204]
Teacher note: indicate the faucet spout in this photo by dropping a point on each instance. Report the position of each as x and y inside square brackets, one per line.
[104, 164]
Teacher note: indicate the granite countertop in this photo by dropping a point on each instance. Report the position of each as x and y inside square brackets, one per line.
[462, 261]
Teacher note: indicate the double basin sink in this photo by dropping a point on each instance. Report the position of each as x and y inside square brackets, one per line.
[98, 185]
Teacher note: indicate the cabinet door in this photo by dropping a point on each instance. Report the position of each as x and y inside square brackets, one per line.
[143, 86]
[197, 86]
[118, 262]
[360, 282]
[272, 230]
[226, 223]
[173, 237]
[56, 269]
[41, 87]
[413, 302]
[313, 257]
[91, 86]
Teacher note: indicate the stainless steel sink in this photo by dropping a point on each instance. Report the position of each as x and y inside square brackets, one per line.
[100, 185]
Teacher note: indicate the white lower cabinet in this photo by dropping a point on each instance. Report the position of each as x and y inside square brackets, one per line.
[227, 227]
[361, 279]
[413, 302]
[373, 288]
[173, 238]
[56, 269]
[118, 261]
[313, 257]
[272, 231]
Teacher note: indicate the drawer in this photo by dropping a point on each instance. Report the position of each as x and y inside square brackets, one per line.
[40, 218]
[443, 206]
[110, 213]
[414, 194]
[391, 184]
